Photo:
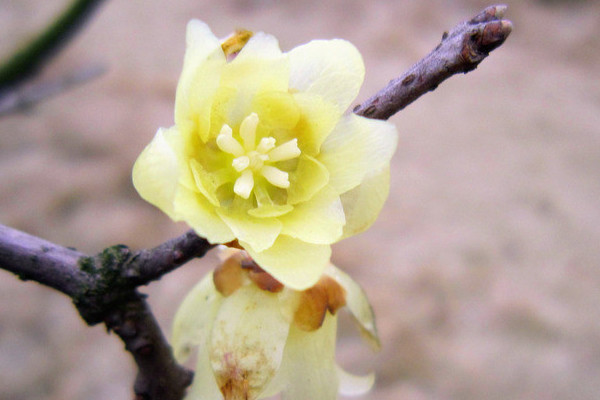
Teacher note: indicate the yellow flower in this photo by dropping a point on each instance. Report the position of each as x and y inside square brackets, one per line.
[256, 338]
[261, 152]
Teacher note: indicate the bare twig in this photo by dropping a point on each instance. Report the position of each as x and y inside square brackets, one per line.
[26, 61]
[32, 258]
[461, 50]
[103, 287]
[24, 96]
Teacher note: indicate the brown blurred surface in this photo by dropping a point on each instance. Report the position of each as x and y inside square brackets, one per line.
[483, 268]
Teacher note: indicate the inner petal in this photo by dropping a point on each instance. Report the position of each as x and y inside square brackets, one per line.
[248, 131]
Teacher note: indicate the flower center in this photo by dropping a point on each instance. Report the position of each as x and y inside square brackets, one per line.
[252, 160]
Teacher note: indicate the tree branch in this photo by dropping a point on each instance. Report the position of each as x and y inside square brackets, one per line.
[103, 287]
[24, 96]
[25, 62]
[461, 50]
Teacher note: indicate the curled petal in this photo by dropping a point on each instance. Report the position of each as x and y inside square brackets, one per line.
[358, 304]
[353, 385]
[356, 147]
[363, 203]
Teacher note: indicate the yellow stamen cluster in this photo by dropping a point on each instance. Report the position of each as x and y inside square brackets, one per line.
[252, 159]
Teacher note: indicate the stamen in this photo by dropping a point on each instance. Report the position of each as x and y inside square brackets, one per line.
[275, 176]
[248, 131]
[286, 151]
[265, 144]
[227, 143]
[244, 184]
[241, 163]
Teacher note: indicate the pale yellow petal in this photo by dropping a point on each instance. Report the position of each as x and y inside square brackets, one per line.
[333, 69]
[294, 263]
[260, 45]
[363, 203]
[202, 65]
[195, 209]
[247, 342]
[205, 182]
[317, 120]
[356, 147]
[307, 180]
[253, 75]
[257, 233]
[155, 173]
[354, 385]
[204, 386]
[358, 305]
[276, 110]
[194, 318]
[308, 370]
[319, 220]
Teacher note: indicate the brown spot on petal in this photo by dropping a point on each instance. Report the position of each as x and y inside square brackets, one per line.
[235, 389]
[228, 276]
[265, 281]
[336, 295]
[326, 295]
[260, 277]
[233, 44]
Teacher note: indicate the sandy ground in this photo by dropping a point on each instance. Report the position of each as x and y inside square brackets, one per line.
[482, 269]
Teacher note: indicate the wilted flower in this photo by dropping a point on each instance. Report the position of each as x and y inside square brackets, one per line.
[256, 338]
[261, 152]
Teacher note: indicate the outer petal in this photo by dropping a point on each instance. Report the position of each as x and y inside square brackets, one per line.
[204, 386]
[204, 60]
[308, 370]
[294, 263]
[155, 173]
[363, 203]
[358, 304]
[260, 67]
[258, 233]
[353, 385]
[333, 69]
[247, 342]
[319, 220]
[194, 318]
[193, 208]
[356, 147]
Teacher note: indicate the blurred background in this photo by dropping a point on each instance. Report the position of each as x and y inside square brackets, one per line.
[483, 267]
